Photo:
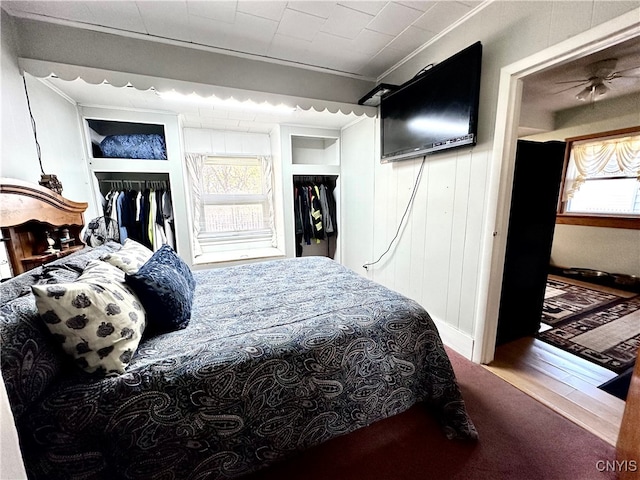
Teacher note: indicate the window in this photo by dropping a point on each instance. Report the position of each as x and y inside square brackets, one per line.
[602, 179]
[233, 202]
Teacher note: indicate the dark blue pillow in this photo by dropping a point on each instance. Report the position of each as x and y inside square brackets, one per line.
[165, 287]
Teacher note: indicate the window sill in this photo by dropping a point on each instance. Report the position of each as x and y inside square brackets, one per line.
[611, 221]
[237, 256]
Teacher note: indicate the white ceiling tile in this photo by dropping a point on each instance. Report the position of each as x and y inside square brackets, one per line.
[223, 11]
[372, 8]
[206, 31]
[318, 9]
[394, 18]
[346, 22]
[382, 62]
[282, 47]
[219, 124]
[217, 113]
[371, 42]
[67, 10]
[241, 115]
[122, 15]
[411, 39]
[255, 27]
[442, 15]
[422, 6]
[336, 53]
[299, 25]
[251, 34]
[470, 3]
[255, 127]
[325, 46]
[265, 9]
[247, 45]
[166, 19]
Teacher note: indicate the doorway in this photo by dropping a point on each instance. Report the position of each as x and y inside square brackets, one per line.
[537, 371]
[505, 142]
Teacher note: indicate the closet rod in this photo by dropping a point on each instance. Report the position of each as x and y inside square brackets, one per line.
[314, 178]
[156, 184]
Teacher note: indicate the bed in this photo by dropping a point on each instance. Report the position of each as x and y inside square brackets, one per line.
[278, 356]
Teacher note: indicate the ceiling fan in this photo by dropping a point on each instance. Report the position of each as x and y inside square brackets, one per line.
[599, 75]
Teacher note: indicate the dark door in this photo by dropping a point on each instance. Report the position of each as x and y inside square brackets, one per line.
[536, 186]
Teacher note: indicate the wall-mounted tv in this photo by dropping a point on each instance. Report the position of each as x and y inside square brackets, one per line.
[435, 111]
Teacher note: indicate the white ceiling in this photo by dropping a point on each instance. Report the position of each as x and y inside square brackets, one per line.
[550, 91]
[361, 39]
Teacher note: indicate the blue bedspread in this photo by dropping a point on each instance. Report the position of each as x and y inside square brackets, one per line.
[278, 356]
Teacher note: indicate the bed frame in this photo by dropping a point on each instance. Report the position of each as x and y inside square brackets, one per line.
[29, 216]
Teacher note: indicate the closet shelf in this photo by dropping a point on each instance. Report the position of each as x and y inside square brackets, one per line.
[315, 169]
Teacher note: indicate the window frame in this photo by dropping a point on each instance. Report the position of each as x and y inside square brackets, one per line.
[212, 242]
[563, 217]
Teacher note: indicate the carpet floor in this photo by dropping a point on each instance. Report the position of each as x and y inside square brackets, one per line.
[599, 326]
[520, 439]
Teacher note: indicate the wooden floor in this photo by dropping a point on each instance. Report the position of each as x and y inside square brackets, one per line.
[564, 382]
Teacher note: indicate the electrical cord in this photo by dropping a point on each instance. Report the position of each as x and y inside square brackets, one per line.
[413, 194]
[33, 124]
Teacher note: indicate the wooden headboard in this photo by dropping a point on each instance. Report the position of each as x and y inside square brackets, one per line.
[21, 202]
[27, 213]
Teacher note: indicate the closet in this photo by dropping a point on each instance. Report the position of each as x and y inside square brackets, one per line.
[315, 215]
[139, 206]
[135, 163]
[314, 165]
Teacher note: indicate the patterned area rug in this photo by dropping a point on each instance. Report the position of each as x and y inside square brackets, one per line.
[562, 301]
[598, 326]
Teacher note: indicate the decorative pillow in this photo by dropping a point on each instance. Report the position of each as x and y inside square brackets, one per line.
[130, 257]
[165, 287]
[97, 319]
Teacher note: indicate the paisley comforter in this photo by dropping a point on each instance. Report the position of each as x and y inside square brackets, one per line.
[279, 356]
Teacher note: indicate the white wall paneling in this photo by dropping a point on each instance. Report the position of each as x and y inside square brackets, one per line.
[509, 31]
[358, 163]
[218, 142]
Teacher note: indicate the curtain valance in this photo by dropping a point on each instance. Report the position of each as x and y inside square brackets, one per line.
[615, 157]
[96, 76]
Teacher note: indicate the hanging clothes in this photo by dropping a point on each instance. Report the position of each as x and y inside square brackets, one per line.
[327, 217]
[120, 209]
[144, 215]
[167, 216]
[314, 213]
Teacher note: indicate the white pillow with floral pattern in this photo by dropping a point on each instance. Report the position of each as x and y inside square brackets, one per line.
[97, 319]
[130, 257]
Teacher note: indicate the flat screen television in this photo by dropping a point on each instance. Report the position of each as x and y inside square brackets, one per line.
[437, 110]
